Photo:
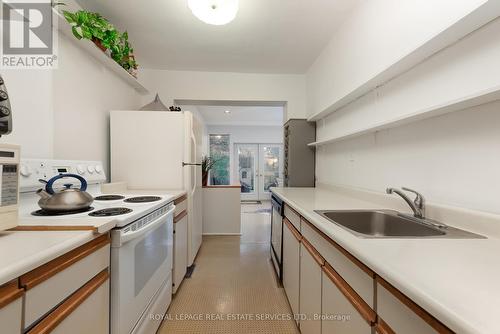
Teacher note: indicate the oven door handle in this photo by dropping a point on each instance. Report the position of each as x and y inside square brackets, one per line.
[124, 238]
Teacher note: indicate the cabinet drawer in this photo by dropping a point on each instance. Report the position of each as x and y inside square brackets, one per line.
[292, 216]
[11, 308]
[343, 310]
[401, 315]
[357, 275]
[180, 205]
[50, 284]
[85, 311]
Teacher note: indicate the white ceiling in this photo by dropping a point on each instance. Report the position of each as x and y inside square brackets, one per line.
[259, 116]
[267, 36]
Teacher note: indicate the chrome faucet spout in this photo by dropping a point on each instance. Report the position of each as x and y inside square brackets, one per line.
[417, 205]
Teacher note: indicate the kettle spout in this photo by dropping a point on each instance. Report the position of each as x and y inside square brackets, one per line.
[43, 194]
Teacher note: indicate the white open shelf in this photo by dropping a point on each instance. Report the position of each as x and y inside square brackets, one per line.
[89, 47]
[473, 100]
[444, 39]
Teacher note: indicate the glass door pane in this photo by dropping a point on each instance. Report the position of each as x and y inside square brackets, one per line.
[246, 169]
[271, 161]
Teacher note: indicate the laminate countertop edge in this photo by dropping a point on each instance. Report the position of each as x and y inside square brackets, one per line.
[23, 251]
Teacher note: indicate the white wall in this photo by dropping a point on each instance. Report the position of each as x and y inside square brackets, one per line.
[63, 113]
[33, 120]
[378, 34]
[84, 93]
[247, 135]
[463, 69]
[452, 159]
[190, 85]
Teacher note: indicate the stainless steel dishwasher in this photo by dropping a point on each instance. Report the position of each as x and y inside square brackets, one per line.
[277, 235]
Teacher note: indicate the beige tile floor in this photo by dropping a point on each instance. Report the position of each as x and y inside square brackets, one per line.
[233, 285]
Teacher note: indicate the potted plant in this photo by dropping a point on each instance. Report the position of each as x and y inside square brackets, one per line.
[103, 34]
[92, 26]
[123, 54]
[207, 163]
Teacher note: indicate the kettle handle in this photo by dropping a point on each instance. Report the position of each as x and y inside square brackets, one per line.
[49, 186]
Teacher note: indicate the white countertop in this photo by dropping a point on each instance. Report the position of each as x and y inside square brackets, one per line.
[25, 251]
[456, 280]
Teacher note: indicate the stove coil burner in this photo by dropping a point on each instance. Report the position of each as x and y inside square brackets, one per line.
[109, 197]
[47, 213]
[142, 199]
[110, 212]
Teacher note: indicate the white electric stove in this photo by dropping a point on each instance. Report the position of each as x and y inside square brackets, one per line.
[141, 238]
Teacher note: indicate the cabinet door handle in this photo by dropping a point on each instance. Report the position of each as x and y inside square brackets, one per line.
[292, 229]
[359, 304]
[46, 271]
[10, 292]
[383, 328]
[314, 253]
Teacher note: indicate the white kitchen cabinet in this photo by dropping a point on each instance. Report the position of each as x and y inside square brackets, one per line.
[85, 311]
[180, 249]
[293, 217]
[402, 315]
[357, 275]
[11, 308]
[342, 309]
[310, 288]
[291, 264]
[50, 284]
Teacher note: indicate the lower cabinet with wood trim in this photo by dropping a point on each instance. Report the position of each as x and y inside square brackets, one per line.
[85, 311]
[321, 277]
[310, 289]
[291, 264]
[51, 283]
[11, 307]
[69, 294]
[180, 249]
[401, 315]
[343, 310]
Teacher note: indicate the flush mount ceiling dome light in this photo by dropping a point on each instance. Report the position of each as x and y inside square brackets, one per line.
[216, 12]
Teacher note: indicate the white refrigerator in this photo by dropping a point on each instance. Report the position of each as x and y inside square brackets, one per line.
[160, 150]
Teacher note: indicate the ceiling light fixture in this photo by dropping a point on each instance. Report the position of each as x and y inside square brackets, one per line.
[227, 111]
[216, 12]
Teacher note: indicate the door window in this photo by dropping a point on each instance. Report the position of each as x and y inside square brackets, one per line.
[219, 151]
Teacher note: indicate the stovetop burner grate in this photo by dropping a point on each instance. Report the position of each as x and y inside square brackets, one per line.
[109, 197]
[110, 212]
[47, 213]
[142, 199]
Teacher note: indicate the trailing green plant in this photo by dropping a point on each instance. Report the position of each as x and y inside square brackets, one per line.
[94, 27]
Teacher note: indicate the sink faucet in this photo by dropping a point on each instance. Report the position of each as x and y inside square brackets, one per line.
[417, 205]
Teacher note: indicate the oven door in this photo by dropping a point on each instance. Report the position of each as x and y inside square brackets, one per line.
[141, 263]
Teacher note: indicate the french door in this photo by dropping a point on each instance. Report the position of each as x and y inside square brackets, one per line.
[258, 167]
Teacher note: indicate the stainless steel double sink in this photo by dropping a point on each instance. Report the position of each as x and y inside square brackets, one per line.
[392, 224]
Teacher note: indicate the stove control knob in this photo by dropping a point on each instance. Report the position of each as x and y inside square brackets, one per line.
[90, 169]
[98, 169]
[25, 170]
[80, 169]
[3, 95]
[4, 111]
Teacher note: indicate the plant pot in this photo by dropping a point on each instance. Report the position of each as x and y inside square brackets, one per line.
[204, 179]
[98, 43]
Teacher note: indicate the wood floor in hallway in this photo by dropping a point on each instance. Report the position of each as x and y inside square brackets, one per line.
[233, 289]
